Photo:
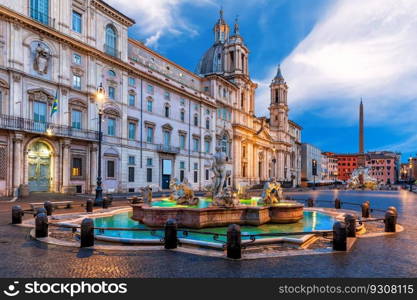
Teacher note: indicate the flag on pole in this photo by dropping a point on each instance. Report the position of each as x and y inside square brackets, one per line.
[55, 104]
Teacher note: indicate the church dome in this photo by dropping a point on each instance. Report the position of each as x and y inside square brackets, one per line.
[212, 60]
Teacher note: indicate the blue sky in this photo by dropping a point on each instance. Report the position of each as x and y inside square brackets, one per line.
[332, 52]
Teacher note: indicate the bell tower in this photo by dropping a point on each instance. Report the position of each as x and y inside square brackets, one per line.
[221, 29]
[236, 54]
[279, 108]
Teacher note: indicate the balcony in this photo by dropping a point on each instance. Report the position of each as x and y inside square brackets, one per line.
[42, 18]
[50, 129]
[167, 149]
[112, 51]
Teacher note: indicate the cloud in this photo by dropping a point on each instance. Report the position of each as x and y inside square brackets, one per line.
[358, 49]
[157, 18]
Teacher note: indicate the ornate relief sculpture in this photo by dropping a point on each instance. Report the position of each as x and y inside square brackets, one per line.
[41, 61]
[272, 193]
[182, 193]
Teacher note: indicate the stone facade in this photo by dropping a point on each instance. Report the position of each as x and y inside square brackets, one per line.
[160, 120]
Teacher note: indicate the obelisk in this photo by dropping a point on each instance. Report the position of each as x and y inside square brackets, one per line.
[361, 156]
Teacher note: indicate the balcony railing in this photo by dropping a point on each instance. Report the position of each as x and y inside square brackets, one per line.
[112, 51]
[28, 125]
[167, 149]
[42, 18]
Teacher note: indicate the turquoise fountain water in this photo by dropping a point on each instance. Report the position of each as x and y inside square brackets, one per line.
[312, 221]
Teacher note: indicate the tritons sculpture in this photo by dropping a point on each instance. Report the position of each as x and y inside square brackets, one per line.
[272, 193]
[147, 194]
[360, 179]
[222, 196]
[182, 193]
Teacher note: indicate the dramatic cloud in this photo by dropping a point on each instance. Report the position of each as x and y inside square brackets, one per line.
[156, 18]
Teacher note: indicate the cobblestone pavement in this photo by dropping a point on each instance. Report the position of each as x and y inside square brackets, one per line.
[394, 256]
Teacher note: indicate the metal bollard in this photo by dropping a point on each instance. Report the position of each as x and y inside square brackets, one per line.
[339, 236]
[234, 242]
[105, 202]
[350, 222]
[48, 207]
[337, 203]
[390, 221]
[89, 205]
[171, 240]
[41, 225]
[40, 210]
[310, 202]
[17, 214]
[365, 209]
[87, 233]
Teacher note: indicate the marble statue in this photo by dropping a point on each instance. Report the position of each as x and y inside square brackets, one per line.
[147, 194]
[360, 178]
[242, 192]
[272, 193]
[41, 61]
[222, 196]
[182, 193]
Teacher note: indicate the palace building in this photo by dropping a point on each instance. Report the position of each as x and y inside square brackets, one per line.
[160, 121]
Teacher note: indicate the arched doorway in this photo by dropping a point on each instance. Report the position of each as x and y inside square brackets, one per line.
[39, 167]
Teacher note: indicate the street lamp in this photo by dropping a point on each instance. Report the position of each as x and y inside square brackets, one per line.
[274, 161]
[410, 173]
[314, 171]
[100, 99]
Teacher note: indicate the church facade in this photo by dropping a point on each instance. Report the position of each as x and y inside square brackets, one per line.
[160, 121]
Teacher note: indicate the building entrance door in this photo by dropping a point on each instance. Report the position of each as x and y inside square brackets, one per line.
[39, 166]
[166, 173]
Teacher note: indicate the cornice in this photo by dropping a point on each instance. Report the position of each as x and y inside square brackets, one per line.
[113, 13]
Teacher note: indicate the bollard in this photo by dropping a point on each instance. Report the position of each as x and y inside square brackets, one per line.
[365, 209]
[48, 207]
[17, 214]
[41, 225]
[89, 205]
[390, 221]
[87, 233]
[339, 236]
[40, 210]
[105, 202]
[337, 203]
[234, 242]
[350, 222]
[394, 209]
[171, 241]
[310, 202]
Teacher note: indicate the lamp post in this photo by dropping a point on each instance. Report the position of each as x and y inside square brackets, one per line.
[274, 161]
[314, 171]
[100, 98]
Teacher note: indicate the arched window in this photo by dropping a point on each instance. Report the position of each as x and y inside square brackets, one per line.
[111, 40]
[182, 115]
[207, 123]
[195, 120]
[111, 73]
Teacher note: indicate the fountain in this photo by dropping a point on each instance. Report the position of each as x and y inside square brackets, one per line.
[223, 209]
[360, 179]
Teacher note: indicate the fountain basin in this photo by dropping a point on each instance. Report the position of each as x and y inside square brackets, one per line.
[282, 213]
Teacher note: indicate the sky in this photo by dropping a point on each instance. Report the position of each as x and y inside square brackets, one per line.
[332, 54]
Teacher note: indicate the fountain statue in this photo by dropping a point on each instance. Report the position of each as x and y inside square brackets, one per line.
[360, 178]
[182, 193]
[242, 192]
[147, 194]
[272, 193]
[222, 196]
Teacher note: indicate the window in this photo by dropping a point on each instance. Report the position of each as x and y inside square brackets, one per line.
[111, 126]
[132, 99]
[167, 138]
[112, 92]
[207, 146]
[166, 111]
[149, 134]
[182, 116]
[39, 112]
[76, 119]
[207, 174]
[131, 171]
[1, 102]
[182, 175]
[76, 59]
[39, 11]
[206, 89]
[149, 89]
[111, 73]
[131, 81]
[149, 105]
[76, 82]
[182, 102]
[110, 169]
[182, 141]
[132, 130]
[148, 175]
[77, 169]
[131, 160]
[149, 162]
[110, 46]
[76, 21]
[195, 172]
[207, 123]
[195, 120]
[167, 95]
[196, 143]
[182, 164]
